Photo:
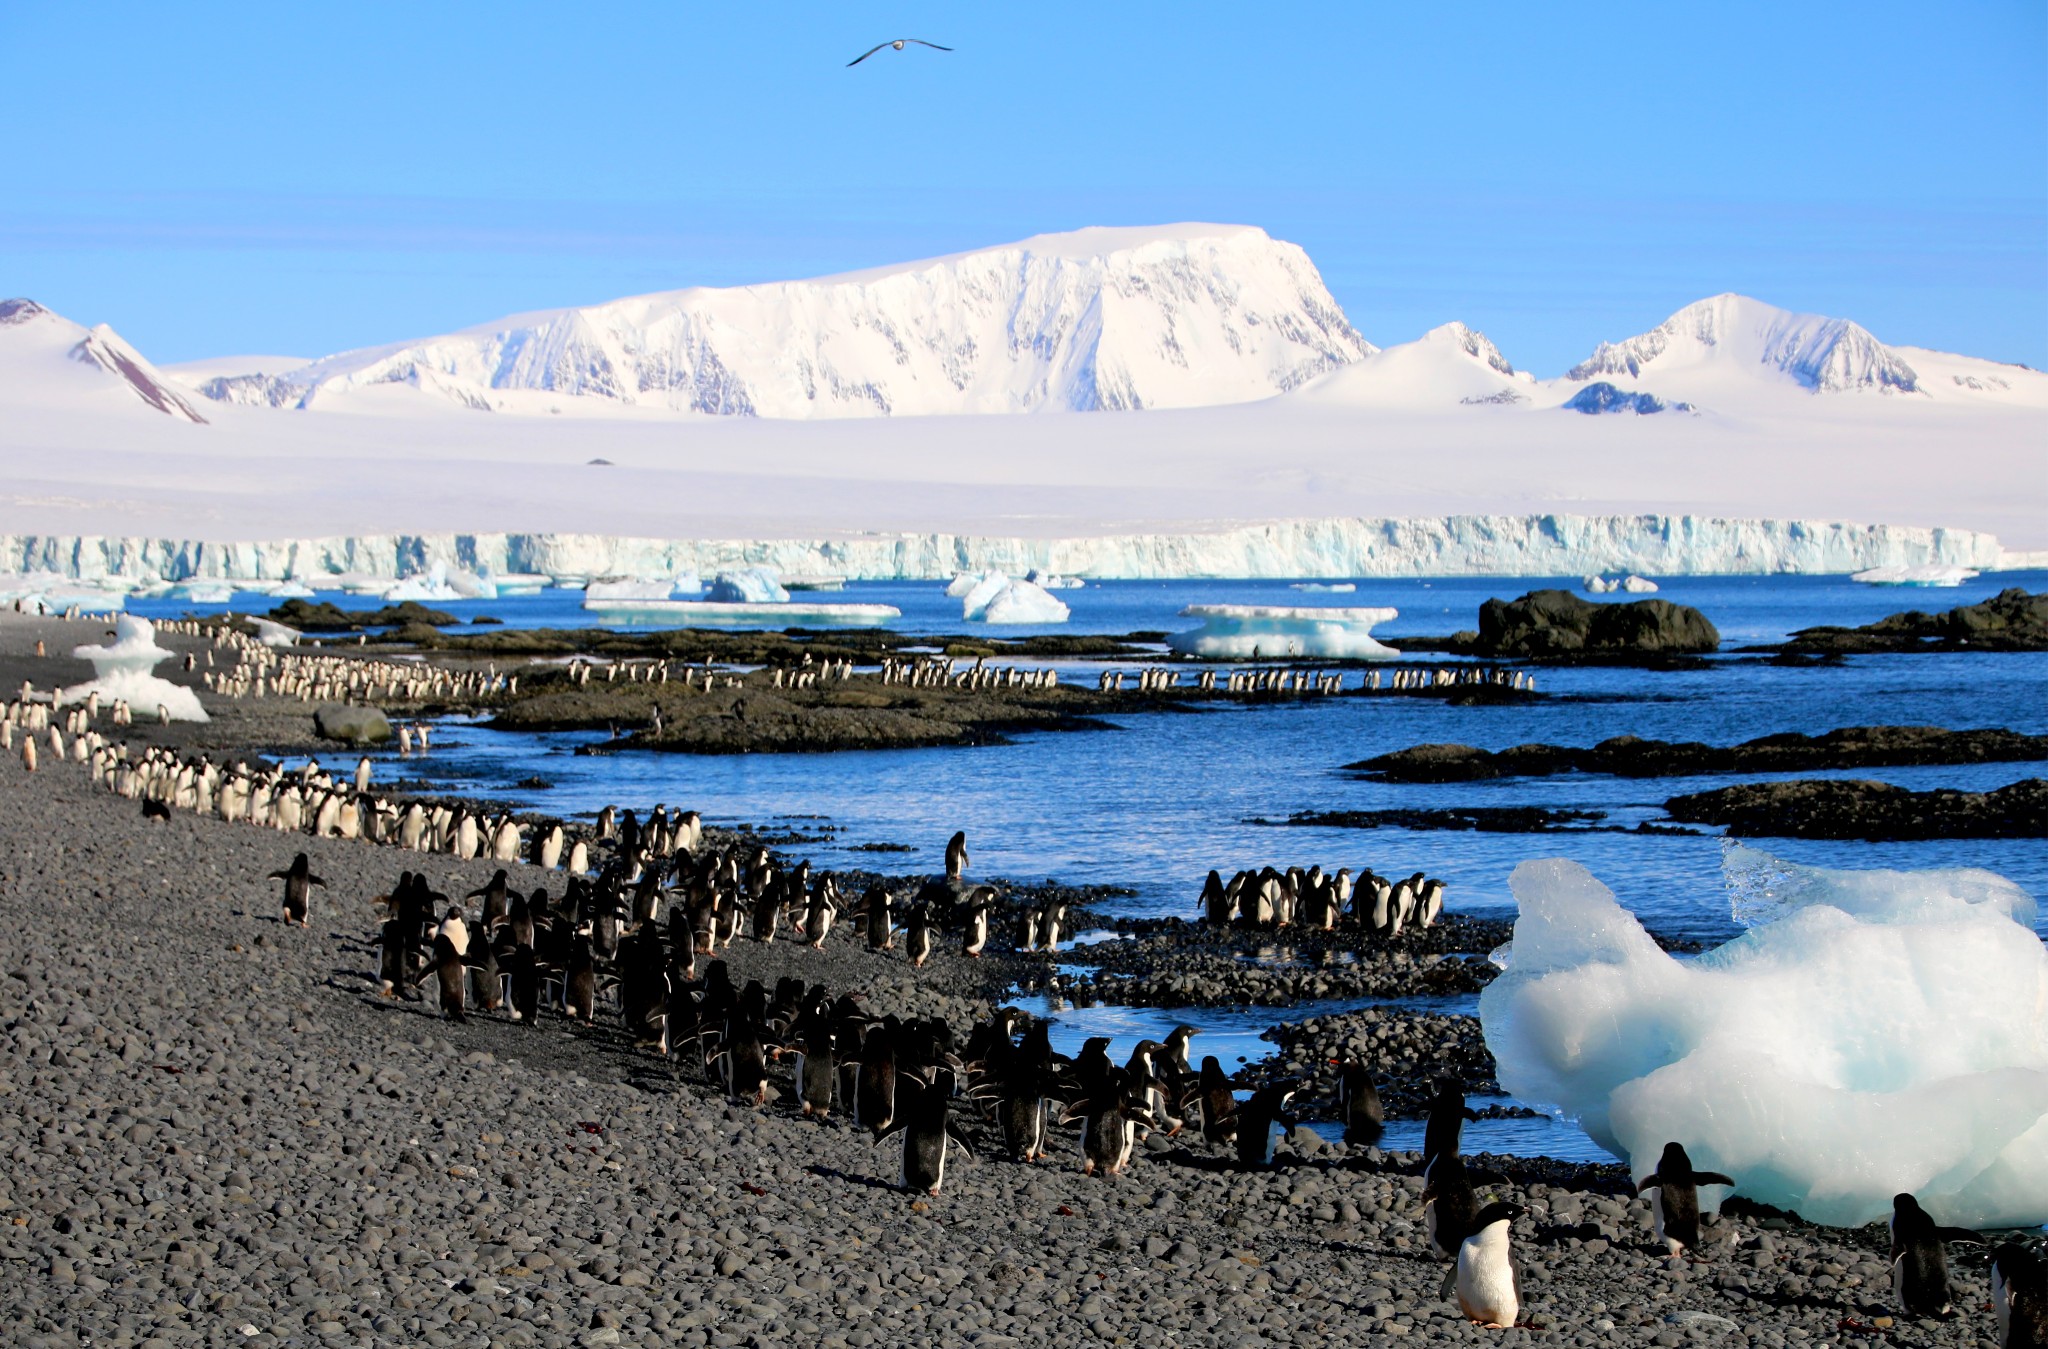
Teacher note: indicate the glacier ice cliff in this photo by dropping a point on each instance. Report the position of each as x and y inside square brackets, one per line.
[1873, 1033]
[1344, 547]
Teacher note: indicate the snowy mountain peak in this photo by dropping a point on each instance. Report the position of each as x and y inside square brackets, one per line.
[29, 365]
[1174, 316]
[1474, 344]
[1733, 331]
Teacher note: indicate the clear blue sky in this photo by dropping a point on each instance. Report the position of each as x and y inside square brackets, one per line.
[286, 178]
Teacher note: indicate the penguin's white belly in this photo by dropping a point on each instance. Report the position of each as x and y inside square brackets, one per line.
[1486, 1283]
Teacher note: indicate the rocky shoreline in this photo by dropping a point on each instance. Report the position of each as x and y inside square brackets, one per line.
[220, 1134]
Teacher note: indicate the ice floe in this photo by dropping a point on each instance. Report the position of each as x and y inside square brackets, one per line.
[1249, 631]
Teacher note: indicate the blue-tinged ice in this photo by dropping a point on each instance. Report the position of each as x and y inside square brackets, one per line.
[996, 598]
[1258, 631]
[748, 585]
[1875, 1032]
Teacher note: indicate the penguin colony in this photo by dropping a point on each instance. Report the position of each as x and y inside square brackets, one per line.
[1274, 680]
[631, 937]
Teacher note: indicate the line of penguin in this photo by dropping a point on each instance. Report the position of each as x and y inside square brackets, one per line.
[1279, 680]
[1270, 898]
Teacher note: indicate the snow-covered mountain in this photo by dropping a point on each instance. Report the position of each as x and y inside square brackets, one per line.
[1448, 366]
[1734, 334]
[46, 359]
[1178, 316]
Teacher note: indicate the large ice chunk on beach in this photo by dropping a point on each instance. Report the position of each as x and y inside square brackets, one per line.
[1246, 631]
[125, 666]
[1874, 1033]
[996, 598]
[748, 585]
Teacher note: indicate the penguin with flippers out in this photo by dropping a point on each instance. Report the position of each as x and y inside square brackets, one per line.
[1676, 1205]
[298, 881]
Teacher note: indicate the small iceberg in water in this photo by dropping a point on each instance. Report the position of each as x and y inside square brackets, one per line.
[1324, 587]
[1258, 631]
[1633, 584]
[1915, 576]
[996, 598]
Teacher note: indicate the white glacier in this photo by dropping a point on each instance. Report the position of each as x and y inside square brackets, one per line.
[1874, 1033]
[125, 666]
[1247, 631]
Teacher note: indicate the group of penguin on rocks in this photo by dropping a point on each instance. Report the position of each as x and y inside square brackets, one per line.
[1270, 899]
[916, 1079]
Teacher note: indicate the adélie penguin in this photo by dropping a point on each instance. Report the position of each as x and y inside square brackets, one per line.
[298, 879]
[1676, 1205]
[1919, 1258]
[1447, 1116]
[451, 954]
[2019, 1297]
[1489, 1288]
[1259, 1122]
[1359, 1102]
[925, 1119]
[1450, 1209]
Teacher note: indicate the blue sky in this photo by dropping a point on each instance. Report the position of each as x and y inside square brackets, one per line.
[279, 178]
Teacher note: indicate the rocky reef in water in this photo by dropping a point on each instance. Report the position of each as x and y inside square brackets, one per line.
[2011, 620]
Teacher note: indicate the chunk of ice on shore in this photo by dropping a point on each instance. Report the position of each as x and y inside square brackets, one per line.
[1245, 631]
[124, 667]
[748, 585]
[1886, 1032]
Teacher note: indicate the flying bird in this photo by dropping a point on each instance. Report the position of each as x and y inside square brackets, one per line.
[898, 45]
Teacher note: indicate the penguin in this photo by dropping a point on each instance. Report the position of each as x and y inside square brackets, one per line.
[493, 894]
[1676, 1205]
[1109, 1129]
[874, 1094]
[523, 978]
[975, 913]
[817, 1068]
[392, 944]
[1489, 1287]
[1050, 919]
[876, 909]
[1449, 1207]
[917, 936]
[1358, 1101]
[925, 1119]
[1259, 1120]
[2019, 1297]
[579, 982]
[819, 913]
[451, 952]
[1218, 906]
[1447, 1116]
[297, 897]
[956, 856]
[1218, 1103]
[1920, 1259]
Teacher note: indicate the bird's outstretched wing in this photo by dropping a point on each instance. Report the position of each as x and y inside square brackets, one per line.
[922, 43]
[869, 52]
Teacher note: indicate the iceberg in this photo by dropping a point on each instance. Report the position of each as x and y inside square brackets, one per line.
[748, 585]
[996, 598]
[1915, 576]
[1048, 581]
[1256, 631]
[601, 593]
[433, 586]
[1324, 587]
[124, 666]
[206, 592]
[963, 585]
[1874, 1033]
[1638, 585]
[741, 614]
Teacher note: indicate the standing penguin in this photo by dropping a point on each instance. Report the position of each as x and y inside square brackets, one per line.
[1359, 1102]
[877, 912]
[917, 935]
[1919, 1258]
[1110, 1119]
[925, 1119]
[451, 953]
[1219, 1104]
[2019, 1297]
[1676, 1205]
[297, 878]
[1260, 1121]
[1447, 1116]
[956, 856]
[974, 916]
[1489, 1288]
[1450, 1209]
[819, 913]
